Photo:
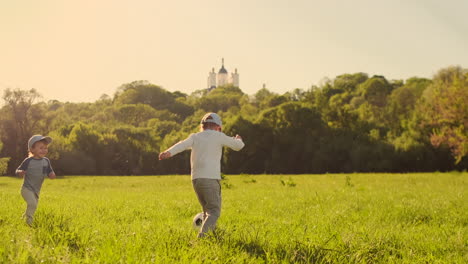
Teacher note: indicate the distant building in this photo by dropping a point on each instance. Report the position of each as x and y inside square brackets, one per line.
[222, 77]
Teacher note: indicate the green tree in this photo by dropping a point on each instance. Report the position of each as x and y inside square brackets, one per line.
[296, 132]
[255, 156]
[86, 139]
[445, 110]
[20, 119]
[262, 94]
[220, 99]
[162, 127]
[375, 90]
[144, 92]
[349, 82]
[134, 114]
[3, 162]
[134, 150]
[401, 104]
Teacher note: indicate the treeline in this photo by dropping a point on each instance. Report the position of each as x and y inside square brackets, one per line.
[352, 123]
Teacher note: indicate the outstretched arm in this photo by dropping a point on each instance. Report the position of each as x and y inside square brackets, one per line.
[234, 143]
[164, 155]
[177, 148]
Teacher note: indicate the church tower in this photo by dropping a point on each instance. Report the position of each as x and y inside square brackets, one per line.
[222, 77]
[235, 78]
[212, 79]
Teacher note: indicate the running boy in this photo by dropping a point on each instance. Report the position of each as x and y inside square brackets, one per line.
[205, 162]
[34, 169]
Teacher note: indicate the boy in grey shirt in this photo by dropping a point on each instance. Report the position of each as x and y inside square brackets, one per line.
[34, 169]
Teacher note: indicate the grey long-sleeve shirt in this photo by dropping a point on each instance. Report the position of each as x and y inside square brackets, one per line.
[36, 171]
[207, 146]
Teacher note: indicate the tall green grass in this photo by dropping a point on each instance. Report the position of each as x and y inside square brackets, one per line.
[333, 218]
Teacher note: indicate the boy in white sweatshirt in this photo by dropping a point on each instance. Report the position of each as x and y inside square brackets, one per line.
[205, 162]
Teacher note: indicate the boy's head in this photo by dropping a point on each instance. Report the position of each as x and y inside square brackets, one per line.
[37, 146]
[211, 121]
[36, 138]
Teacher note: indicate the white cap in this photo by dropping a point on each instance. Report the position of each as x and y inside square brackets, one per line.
[37, 138]
[212, 118]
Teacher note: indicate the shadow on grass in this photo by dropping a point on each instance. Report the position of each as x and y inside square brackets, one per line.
[295, 252]
[291, 252]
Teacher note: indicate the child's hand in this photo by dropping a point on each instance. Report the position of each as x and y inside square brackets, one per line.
[21, 173]
[238, 137]
[52, 175]
[164, 155]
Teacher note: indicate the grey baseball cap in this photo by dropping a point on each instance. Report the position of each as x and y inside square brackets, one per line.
[37, 138]
[212, 118]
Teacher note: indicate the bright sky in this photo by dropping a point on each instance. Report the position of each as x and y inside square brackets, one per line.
[78, 50]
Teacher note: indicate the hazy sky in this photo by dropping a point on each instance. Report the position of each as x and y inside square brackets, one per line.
[78, 50]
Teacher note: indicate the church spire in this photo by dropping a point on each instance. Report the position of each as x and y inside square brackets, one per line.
[222, 70]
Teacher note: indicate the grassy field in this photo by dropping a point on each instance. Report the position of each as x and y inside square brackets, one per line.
[333, 218]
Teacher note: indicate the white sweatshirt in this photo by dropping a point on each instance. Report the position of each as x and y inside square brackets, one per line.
[207, 146]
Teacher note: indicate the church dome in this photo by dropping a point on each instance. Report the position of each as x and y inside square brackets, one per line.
[222, 70]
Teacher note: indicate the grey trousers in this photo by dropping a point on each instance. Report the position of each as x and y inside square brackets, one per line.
[209, 195]
[31, 200]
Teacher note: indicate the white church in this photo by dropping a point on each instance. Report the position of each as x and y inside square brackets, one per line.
[222, 77]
